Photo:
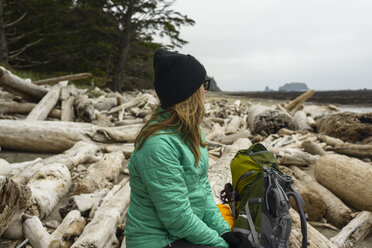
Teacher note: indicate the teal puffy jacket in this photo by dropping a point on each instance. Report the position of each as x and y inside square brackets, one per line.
[170, 198]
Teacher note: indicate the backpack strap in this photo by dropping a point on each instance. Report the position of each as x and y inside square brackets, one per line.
[251, 225]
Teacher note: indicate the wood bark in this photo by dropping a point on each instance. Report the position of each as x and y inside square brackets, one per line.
[315, 238]
[347, 126]
[101, 174]
[337, 212]
[63, 78]
[36, 233]
[21, 87]
[49, 101]
[299, 100]
[356, 230]
[24, 108]
[315, 207]
[59, 136]
[348, 178]
[67, 105]
[219, 173]
[354, 150]
[15, 198]
[267, 119]
[100, 232]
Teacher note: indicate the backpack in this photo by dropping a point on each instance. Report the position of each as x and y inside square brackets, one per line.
[259, 198]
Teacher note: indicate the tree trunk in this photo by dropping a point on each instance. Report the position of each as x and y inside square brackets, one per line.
[59, 136]
[299, 100]
[24, 108]
[15, 198]
[337, 212]
[49, 101]
[102, 174]
[63, 78]
[21, 87]
[100, 232]
[3, 43]
[118, 78]
[67, 105]
[315, 238]
[348, 178]
[268, 120]
[355, 231]
[219, 173]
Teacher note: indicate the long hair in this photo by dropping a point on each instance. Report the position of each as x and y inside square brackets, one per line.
[186, 117]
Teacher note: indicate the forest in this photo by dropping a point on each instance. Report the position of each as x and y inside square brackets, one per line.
[114, 40]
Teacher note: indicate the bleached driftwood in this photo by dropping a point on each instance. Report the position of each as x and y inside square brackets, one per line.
[132, 103]
[80, 153]
[15, 198]
[337, 212]
[100, 232]
[36, 233]
[356, 230]
[41, 111]
[300, 121]
[129, 122]
[12, 107]
[219, 173]
[312, 148]
[19, 86]
[229, 139]
[84, 202]
[48, 185]
[234, 125]
[217, 131]
[61, 237]
[294, 156]
[59, 136]
[299, 100]
[102, 174]
[354, 150]
[105, 103]
[315, 238]
[315, 207]
[266, 119]
[331, 140]
[67, 105]
[63, 78]
[126, 148]
[348, 178]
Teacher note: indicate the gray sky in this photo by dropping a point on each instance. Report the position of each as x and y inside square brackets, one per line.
[247, 45]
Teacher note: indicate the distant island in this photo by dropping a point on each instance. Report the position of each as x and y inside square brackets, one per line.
[294, 86]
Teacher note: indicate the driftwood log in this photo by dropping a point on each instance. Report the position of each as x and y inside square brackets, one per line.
[15, 198]
[300, 121]
[337, 212]
[347, 126]
[36, 233]
[59, 136]
[234, 125]
[354, 150]
[63, 78]
[299, 100]
[348, 178]
[266, 119]
[20, 87]
[13, 107]
[294, 156]
[67, 105]
[47, 103]
[355, 231]
[101, 174]
[219, 173]
[84, 108]
[101, 231]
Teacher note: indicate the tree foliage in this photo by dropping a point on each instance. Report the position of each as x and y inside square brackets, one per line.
[113, 39]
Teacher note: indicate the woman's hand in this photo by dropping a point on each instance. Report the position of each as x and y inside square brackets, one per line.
[236, 240]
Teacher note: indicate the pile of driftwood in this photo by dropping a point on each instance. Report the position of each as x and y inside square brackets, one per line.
[92, 138]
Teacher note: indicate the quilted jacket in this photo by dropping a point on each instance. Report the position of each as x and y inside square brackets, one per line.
[170, 198]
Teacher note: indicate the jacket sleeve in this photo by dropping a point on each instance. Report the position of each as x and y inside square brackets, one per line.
[212, 215]
[162, 175]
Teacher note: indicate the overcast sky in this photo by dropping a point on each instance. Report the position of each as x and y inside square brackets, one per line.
[247, 45]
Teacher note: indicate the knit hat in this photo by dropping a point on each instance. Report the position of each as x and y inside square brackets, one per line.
[177, 76]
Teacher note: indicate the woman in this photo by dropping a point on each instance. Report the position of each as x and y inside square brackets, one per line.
[171, 203]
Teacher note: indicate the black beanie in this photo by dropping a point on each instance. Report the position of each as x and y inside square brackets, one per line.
[177, 76]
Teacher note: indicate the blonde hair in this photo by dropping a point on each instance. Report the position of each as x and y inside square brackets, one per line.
[186, 116]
